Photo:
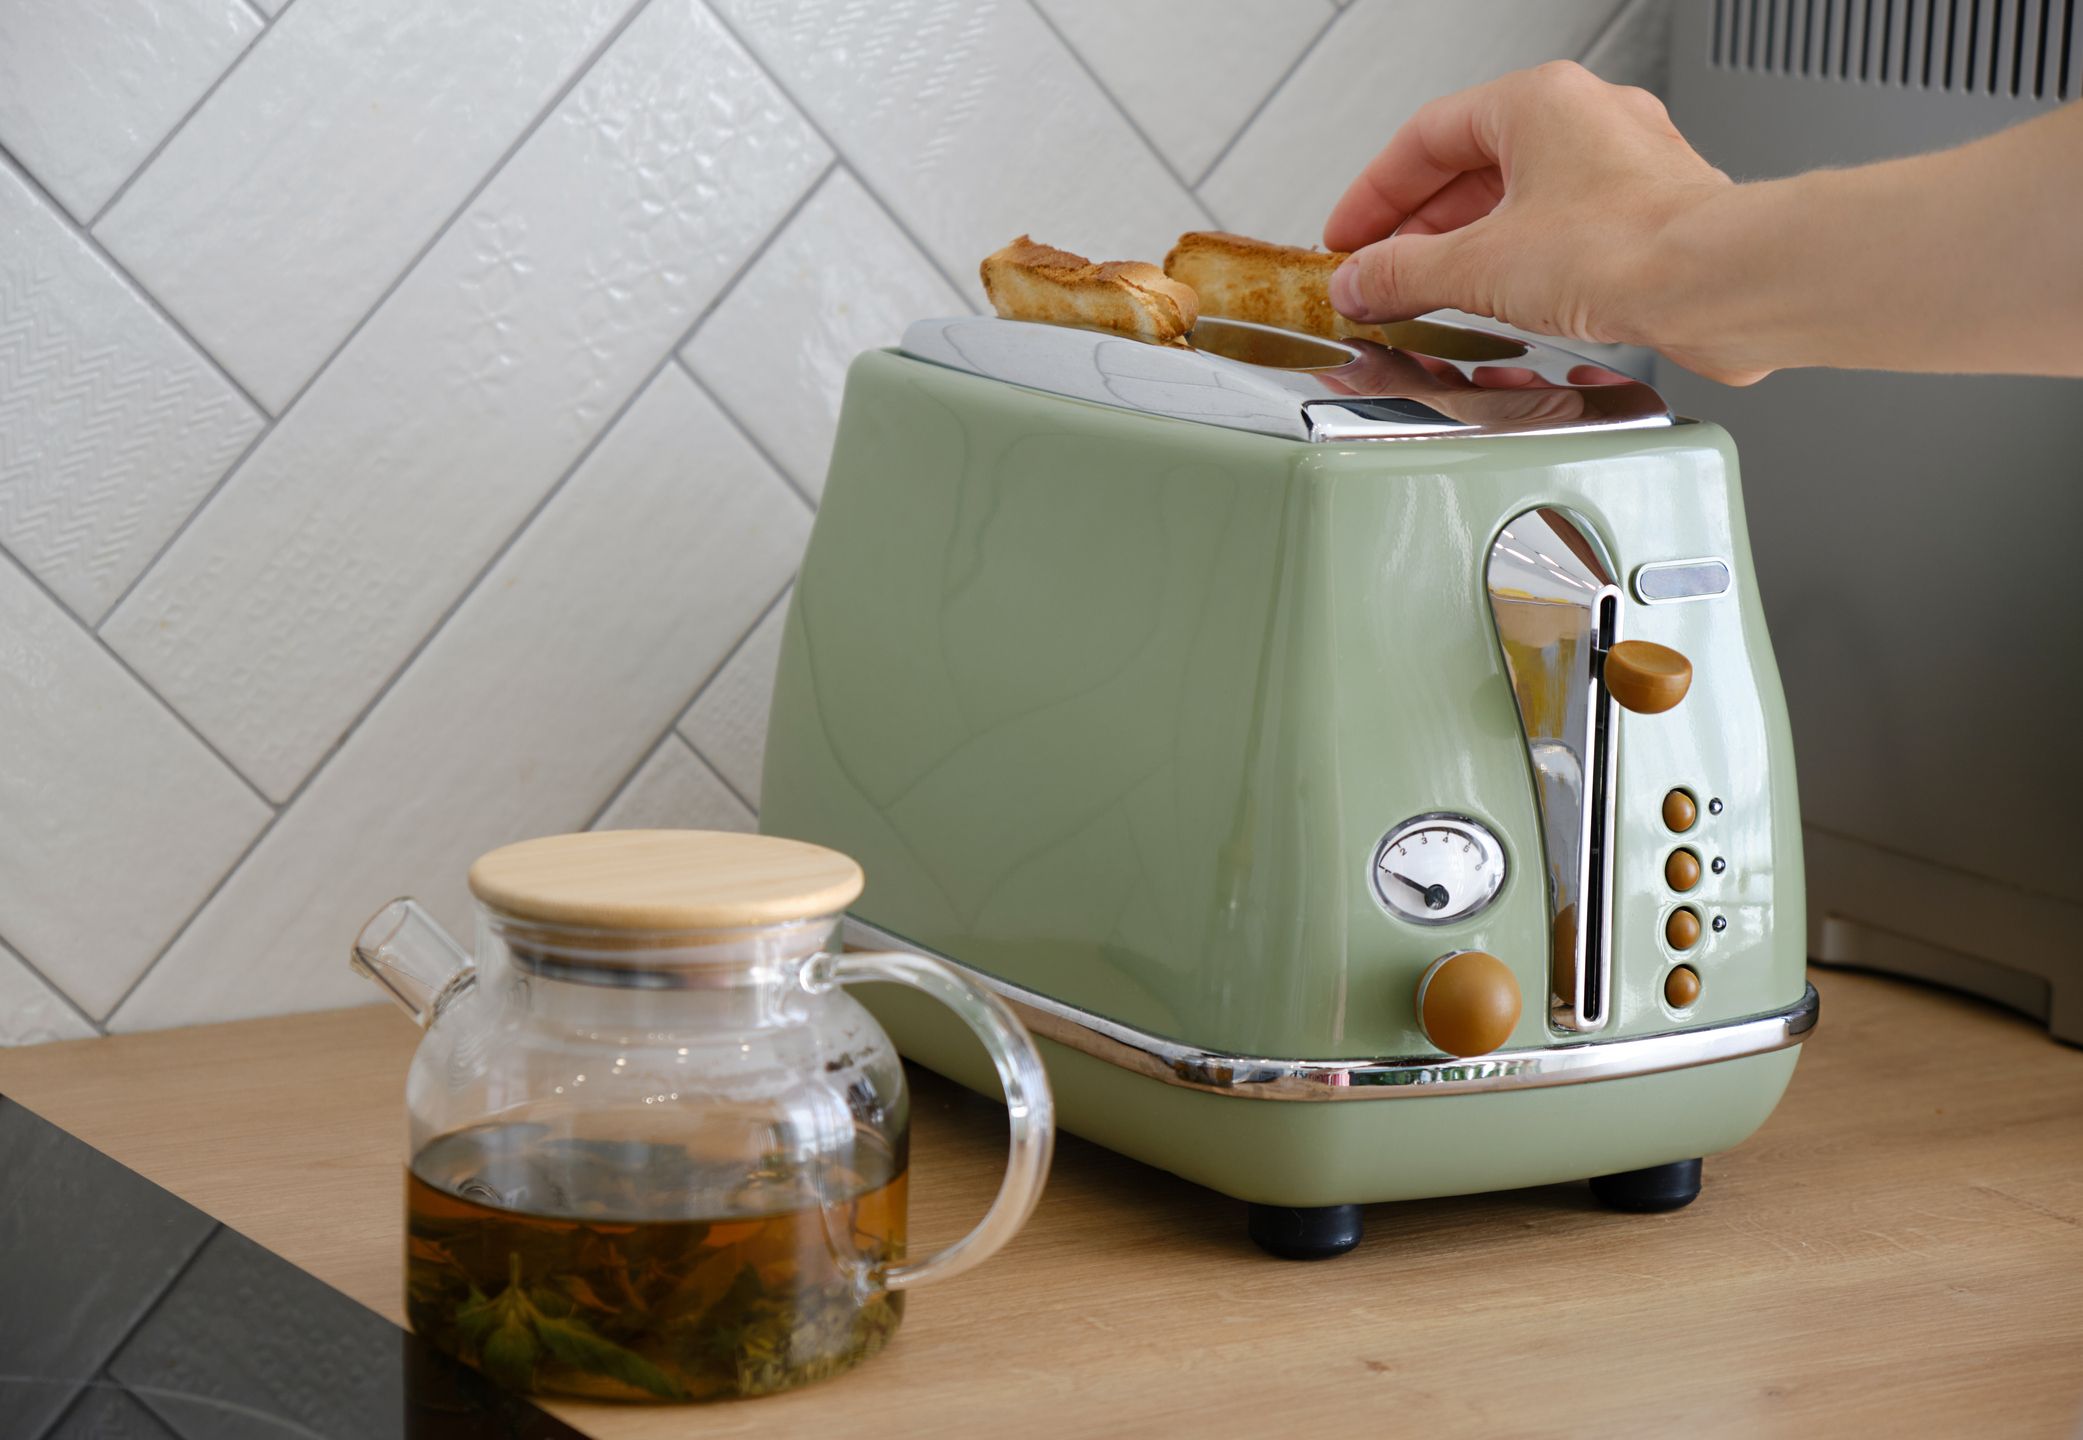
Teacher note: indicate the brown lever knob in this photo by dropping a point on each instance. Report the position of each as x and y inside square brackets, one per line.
[1645, 677]
[1468, 1002]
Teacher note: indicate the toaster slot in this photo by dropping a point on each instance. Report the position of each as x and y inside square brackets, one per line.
[1557, 611]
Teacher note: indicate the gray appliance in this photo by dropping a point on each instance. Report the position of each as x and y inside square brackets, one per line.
[1917, 538]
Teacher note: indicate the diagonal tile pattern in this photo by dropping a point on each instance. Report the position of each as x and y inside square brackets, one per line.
[112, 430]
[118, 820]
[87, 90]
[283, 209]
[550, 305]
[842, 278]
[30, 1011]
[516, 720]
[972, 120]
[1219, 62]
[280, 613]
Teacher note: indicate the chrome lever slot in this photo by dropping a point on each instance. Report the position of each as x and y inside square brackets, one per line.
[1557, 610]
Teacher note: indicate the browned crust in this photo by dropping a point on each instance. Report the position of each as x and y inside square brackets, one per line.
[1241, 278]
[1030, 281]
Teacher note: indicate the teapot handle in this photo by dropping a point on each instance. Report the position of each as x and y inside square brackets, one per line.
[1028, 1105]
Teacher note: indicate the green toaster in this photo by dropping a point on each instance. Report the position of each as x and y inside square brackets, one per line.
[1362, 765]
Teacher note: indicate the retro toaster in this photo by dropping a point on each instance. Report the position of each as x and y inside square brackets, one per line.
[1362, 765]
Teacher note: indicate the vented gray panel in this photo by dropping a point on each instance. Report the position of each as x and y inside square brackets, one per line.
[2027, 48]
[1914, 535]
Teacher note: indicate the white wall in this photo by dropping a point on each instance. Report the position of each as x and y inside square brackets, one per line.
[410, 415]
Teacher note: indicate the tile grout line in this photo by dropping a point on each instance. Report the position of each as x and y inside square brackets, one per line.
[721, 779]
[469, 589]
[492, 172]
[809, 119]
[56, 989]
[267, 428]
[745, 433]
[137, 679]
[270, 421]
[672, 728]
[181, 124]
[1267, 98]
[889, 212]
[202, 905]
[754, 256]
[131, 283]
[1164, 161]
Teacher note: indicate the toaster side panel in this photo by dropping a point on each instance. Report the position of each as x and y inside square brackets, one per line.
[1044, 675]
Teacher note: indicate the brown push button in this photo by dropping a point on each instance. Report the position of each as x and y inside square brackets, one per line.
[1682, 987]
[1468, 1002]
[1683, 929]
[1680, 811]
[1682, 870]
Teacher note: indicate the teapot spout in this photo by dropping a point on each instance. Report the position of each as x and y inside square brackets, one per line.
[405, 950]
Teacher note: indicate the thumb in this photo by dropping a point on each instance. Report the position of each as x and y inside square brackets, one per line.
[1404, 276]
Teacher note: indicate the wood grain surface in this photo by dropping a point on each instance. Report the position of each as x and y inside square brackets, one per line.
[1899, 1252]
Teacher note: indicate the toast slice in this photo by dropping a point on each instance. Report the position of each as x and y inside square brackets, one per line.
[1028, 281]
[1239, 278]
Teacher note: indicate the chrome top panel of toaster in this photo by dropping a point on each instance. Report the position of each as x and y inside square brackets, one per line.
[1437, 381]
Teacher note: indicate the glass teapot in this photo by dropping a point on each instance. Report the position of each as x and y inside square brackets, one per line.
[658, 1153]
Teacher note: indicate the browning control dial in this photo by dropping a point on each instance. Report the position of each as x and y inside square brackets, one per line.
[1436, 869]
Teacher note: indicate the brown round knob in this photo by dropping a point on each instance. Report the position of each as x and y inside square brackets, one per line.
[1682, 870]
[1683, 929]
[1468, 1002]
[1680, 811]
[1645, 677]
[1682, 987]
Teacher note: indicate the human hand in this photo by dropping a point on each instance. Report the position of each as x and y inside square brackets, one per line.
[1548, 199]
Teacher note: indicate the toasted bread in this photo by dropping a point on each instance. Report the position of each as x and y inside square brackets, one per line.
[1244, 279]
[1027, 281]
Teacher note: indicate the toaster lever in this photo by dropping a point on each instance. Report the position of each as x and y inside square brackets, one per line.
[1645, 677]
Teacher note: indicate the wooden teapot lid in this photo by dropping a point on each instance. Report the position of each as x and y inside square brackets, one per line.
[665, 880]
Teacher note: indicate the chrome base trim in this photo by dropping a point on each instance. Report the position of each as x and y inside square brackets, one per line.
[1252, 1078]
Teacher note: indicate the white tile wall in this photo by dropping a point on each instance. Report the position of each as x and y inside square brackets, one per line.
[517, 719]
[301, 189]
[88, 87]
[31, 1012]
[118, 820]
[675, 790]
[1189, 73]
[548, 305]
[280, 613]
[728, 720]
[112, 428]
[973, 121]
[842, 278]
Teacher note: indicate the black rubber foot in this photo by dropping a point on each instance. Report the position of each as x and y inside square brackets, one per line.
[1660, 1187]
[1315, 1232]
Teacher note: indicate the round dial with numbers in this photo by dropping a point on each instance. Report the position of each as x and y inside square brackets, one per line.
[1437, 869]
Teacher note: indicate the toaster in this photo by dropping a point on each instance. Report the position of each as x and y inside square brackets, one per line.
[1284, 727]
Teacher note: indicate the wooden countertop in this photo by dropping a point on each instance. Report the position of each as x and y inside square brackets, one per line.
[1899, 1251]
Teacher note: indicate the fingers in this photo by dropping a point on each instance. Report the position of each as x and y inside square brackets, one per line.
[1407, 275]
[1447, 138]
[1463, 199]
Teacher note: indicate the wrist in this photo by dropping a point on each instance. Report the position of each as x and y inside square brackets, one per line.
[1715, 296]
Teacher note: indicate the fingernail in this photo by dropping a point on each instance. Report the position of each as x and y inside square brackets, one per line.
[1345, 291]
